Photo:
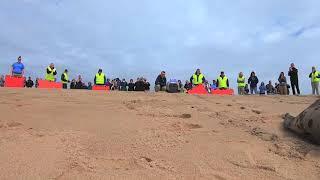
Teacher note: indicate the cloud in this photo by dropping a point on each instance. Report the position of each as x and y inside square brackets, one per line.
[273, 37]
[143, 37]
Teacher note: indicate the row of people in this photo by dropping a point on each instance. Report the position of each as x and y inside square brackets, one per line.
[197, 78]
[116, 84]
[223, 82]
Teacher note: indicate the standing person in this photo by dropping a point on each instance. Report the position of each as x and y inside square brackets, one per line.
[283, 84]
[51, 73]
[197, 78]
[161, 82]
[65, 79]
[29, 83]
[241, 83]
[253, 81]
[2, 81]
[100, 78]
[123, 85]
[131, 85]
[315, 79]
[17, 68]
[294, 80]
[222, 81]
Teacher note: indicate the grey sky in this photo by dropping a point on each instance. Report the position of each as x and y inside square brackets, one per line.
[140, 38]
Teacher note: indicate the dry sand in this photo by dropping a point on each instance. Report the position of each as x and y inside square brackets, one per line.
[48, 134]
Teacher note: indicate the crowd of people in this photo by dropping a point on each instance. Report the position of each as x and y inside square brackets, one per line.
[245, 87]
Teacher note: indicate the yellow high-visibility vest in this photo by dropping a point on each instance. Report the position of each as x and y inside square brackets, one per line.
[196, 80]
[314, 77]
[243, 83]
[223, 82]
[100, 78]
[50, 77]
[66, 77]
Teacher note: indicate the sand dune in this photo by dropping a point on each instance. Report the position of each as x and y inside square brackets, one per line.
[47, 134]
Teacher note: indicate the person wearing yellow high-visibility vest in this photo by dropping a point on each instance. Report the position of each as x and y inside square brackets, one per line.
[197, 78]
[241, 84]
[65, 79]
[315, 80]
[222, 82]
[100, 78]
[51, 73]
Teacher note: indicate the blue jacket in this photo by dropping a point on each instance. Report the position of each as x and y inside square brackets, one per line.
[213, 86]
[262, 89]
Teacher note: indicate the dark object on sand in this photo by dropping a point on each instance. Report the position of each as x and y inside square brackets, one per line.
[307, 123]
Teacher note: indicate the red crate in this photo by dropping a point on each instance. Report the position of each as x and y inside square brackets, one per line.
[200, 89]
[223, 92]
[44, 84]
[11, 81]
[100, 88]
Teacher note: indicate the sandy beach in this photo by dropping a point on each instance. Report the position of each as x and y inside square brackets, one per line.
[55, 134]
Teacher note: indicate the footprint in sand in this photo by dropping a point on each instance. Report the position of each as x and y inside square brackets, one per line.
[193, 126]
[13, 124]
[146, 159]
[256, 111]
[185, 116]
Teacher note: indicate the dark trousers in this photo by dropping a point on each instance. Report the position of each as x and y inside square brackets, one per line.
[65, 86]
[294, 86]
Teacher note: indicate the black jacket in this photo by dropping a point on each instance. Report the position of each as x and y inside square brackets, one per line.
[29, 84]
[293, 75]
[73, 85]
[139, 86]
[123, 86]
[253, 81]
[79, 85]
[162, 81]
[188, 86]
[131, 87]
[147, 86]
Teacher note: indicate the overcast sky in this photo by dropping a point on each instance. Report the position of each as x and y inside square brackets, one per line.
[142, 37]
